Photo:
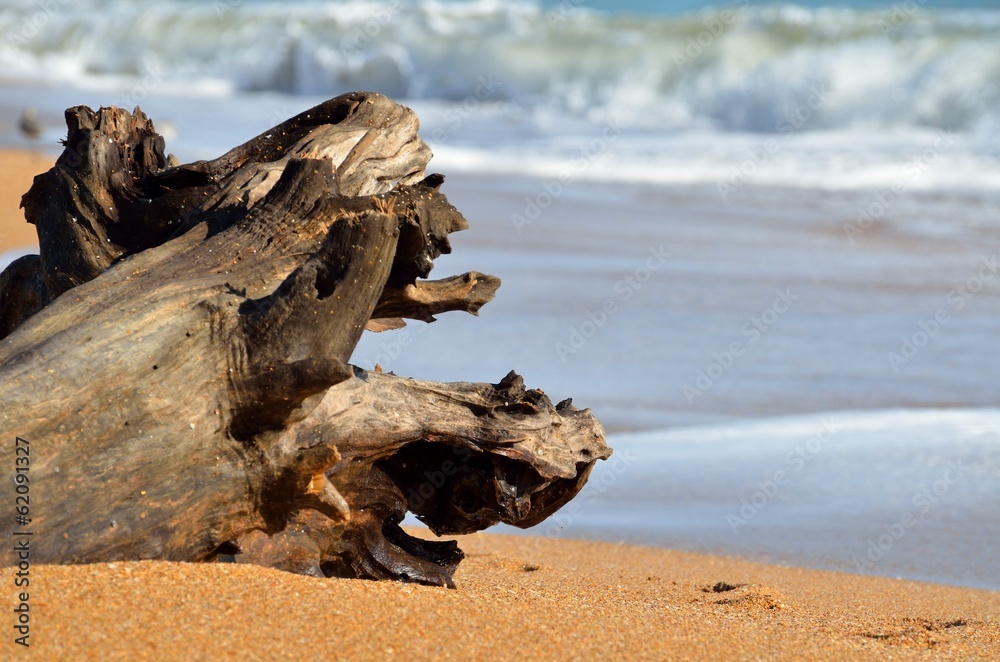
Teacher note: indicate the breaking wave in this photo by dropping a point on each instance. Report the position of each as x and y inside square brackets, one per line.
[734, 68]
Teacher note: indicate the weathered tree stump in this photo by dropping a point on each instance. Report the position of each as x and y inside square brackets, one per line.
[176, 357]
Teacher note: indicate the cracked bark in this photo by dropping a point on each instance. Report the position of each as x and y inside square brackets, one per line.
[178, 356]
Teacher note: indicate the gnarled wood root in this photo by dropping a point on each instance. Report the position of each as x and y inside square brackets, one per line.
[178, 355]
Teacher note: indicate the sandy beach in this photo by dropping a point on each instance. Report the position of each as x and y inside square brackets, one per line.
[517, 597]
[17, 170]
[758, 242]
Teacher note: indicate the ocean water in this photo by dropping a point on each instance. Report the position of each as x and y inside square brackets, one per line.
[902, 493]
[765, 328]
[719, 226]
[733, 95]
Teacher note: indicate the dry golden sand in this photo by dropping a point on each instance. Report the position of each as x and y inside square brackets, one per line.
[517, 597]
[17, 169]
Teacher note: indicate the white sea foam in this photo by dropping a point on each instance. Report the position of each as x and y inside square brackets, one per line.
[882, 104]
[903, 492]
[773, 95]
[936, 70]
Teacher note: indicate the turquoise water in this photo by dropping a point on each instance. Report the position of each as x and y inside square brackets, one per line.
[674, 7]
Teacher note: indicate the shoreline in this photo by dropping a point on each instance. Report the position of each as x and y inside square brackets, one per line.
[516, 597]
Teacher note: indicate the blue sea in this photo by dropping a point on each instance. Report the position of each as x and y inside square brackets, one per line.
[846, 91]
[759, 239]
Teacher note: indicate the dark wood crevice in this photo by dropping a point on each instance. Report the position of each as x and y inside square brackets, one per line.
[179, 356]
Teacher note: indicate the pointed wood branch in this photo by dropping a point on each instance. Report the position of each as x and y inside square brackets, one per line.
[422, 300]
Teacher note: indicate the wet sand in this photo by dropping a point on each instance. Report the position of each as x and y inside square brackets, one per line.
[517, 597]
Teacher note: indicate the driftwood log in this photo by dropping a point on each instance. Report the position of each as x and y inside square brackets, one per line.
[175, 361]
